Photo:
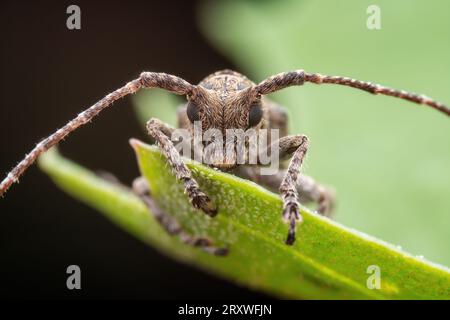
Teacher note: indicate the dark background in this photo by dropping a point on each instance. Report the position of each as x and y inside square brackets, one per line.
[48, 75]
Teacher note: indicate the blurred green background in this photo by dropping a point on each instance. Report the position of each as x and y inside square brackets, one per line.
[387, 159]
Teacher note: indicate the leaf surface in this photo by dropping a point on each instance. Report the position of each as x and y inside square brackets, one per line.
[328, 261]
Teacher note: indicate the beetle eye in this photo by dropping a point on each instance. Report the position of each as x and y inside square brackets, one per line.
[255, 115]
[192, 112]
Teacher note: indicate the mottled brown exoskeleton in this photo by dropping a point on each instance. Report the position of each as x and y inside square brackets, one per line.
[226, 100]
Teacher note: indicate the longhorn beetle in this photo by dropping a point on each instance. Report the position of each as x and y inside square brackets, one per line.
[226, 100]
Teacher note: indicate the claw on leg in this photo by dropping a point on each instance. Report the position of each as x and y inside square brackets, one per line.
[288, 189]
[161, 132]
[291, 215]
[203, 243]
[199, 199]
[203, 203]
[221, 252]
[170, 224]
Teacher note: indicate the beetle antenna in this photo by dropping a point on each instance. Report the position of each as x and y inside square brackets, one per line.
[299, 77]
[145, 80]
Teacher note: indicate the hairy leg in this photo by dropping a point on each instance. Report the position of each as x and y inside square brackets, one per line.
[308, 189]
[161, 132]
[288, 190]
[169, 223]
[295, 147]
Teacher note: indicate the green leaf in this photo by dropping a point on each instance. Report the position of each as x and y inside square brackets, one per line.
[385, 157]
[327, 261]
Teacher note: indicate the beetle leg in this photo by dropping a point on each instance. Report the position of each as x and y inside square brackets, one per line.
[308, 189]
[161, 132]
[169, 223]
